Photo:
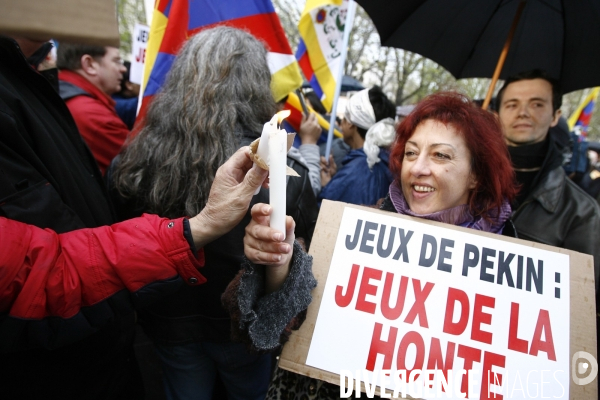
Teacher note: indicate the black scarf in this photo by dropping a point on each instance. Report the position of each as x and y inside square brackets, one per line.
[532, 164]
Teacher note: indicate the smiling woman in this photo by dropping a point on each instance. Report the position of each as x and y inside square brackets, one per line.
[449, 163]
[436, 169]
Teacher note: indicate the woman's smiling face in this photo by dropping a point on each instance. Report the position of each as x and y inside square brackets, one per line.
[436, 169]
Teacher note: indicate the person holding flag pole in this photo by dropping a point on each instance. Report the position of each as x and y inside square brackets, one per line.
[318, 54]
[338, 81]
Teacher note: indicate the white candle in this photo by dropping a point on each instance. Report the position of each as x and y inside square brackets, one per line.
[263, 145]
[277, 177]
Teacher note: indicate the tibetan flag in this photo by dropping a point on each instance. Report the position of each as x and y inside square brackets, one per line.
[582, 116]
[319, 52]
[174, 21]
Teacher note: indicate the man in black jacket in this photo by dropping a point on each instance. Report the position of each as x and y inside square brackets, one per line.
[550, 208]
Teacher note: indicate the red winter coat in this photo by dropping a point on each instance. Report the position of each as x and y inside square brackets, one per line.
[96, 118]
[45, 275]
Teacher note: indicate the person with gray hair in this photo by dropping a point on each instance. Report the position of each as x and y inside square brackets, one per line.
[368, 128]
[216, 98]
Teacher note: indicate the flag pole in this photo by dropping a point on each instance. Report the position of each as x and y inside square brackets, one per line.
[503, 54]
[338, 82]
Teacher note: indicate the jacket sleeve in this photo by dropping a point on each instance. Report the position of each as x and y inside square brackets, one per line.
[312, 157]
[48, 275]
[346, 185]
[265, 321]
[584, 237]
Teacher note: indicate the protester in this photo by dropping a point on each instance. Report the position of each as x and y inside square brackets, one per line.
[339, 149]
[126, 100]
[449, 164]
[303, 150]
[67, 328]
[202, 115]
[550, 208]
[368, 128]
[590, 182]
[309, 134]
[88, 76]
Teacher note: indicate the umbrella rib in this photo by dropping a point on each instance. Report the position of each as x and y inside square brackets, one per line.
[564, 44]
[547, 4]
[498, 5]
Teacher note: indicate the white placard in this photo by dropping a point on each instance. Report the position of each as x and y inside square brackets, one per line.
[517, 295]
[138, 56]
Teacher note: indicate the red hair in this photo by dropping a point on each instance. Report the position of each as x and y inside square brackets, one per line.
[490, 162]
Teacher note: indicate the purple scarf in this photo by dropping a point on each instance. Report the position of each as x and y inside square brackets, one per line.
[459, 215]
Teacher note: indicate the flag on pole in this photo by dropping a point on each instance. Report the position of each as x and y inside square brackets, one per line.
[319, 52]
[583, 114]
[295, 118]
[174, 21]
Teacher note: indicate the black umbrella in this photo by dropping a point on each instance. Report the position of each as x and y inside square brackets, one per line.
[467, 36]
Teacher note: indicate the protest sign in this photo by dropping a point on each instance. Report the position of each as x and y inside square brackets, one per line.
[77, 21]
[141, 35]
[398, 295]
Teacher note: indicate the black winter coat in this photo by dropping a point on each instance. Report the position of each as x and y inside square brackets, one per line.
[559, 213]
[194, 314]
[49, 178]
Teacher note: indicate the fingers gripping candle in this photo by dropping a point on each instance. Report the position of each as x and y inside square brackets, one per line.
[273, 148]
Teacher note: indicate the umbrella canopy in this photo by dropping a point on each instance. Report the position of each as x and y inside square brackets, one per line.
[467, 36]
[349, 84]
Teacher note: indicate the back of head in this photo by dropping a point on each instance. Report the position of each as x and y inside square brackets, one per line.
[368, 107]
[382, 106]
[69, 55]
[482, 134]
[373, 115]
[529, 75]
[217, 88]
[315, 102]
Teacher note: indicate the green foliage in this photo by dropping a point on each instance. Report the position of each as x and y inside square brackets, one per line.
[129, 12]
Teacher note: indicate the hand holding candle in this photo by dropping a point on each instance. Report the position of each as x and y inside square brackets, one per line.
[270, 152]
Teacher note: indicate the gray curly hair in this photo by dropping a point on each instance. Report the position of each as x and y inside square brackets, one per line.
[218, 87]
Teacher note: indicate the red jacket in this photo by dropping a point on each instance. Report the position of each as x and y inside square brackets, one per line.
[96, 118]
[44, 274]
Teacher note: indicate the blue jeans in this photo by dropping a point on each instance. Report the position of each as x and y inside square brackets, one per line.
[189, 371]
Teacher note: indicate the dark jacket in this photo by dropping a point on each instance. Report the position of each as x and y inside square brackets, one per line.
[355, 183]
[559, 213]
[195, 314]
[49, 178]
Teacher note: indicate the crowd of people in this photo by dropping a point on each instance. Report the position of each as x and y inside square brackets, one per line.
[169, 227]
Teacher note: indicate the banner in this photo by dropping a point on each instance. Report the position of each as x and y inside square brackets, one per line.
[141, 34]
[319, 52]
[77, 21]
[174, 21]
[436, 311]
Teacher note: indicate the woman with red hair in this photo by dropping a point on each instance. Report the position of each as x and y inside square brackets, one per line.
[449, 164]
